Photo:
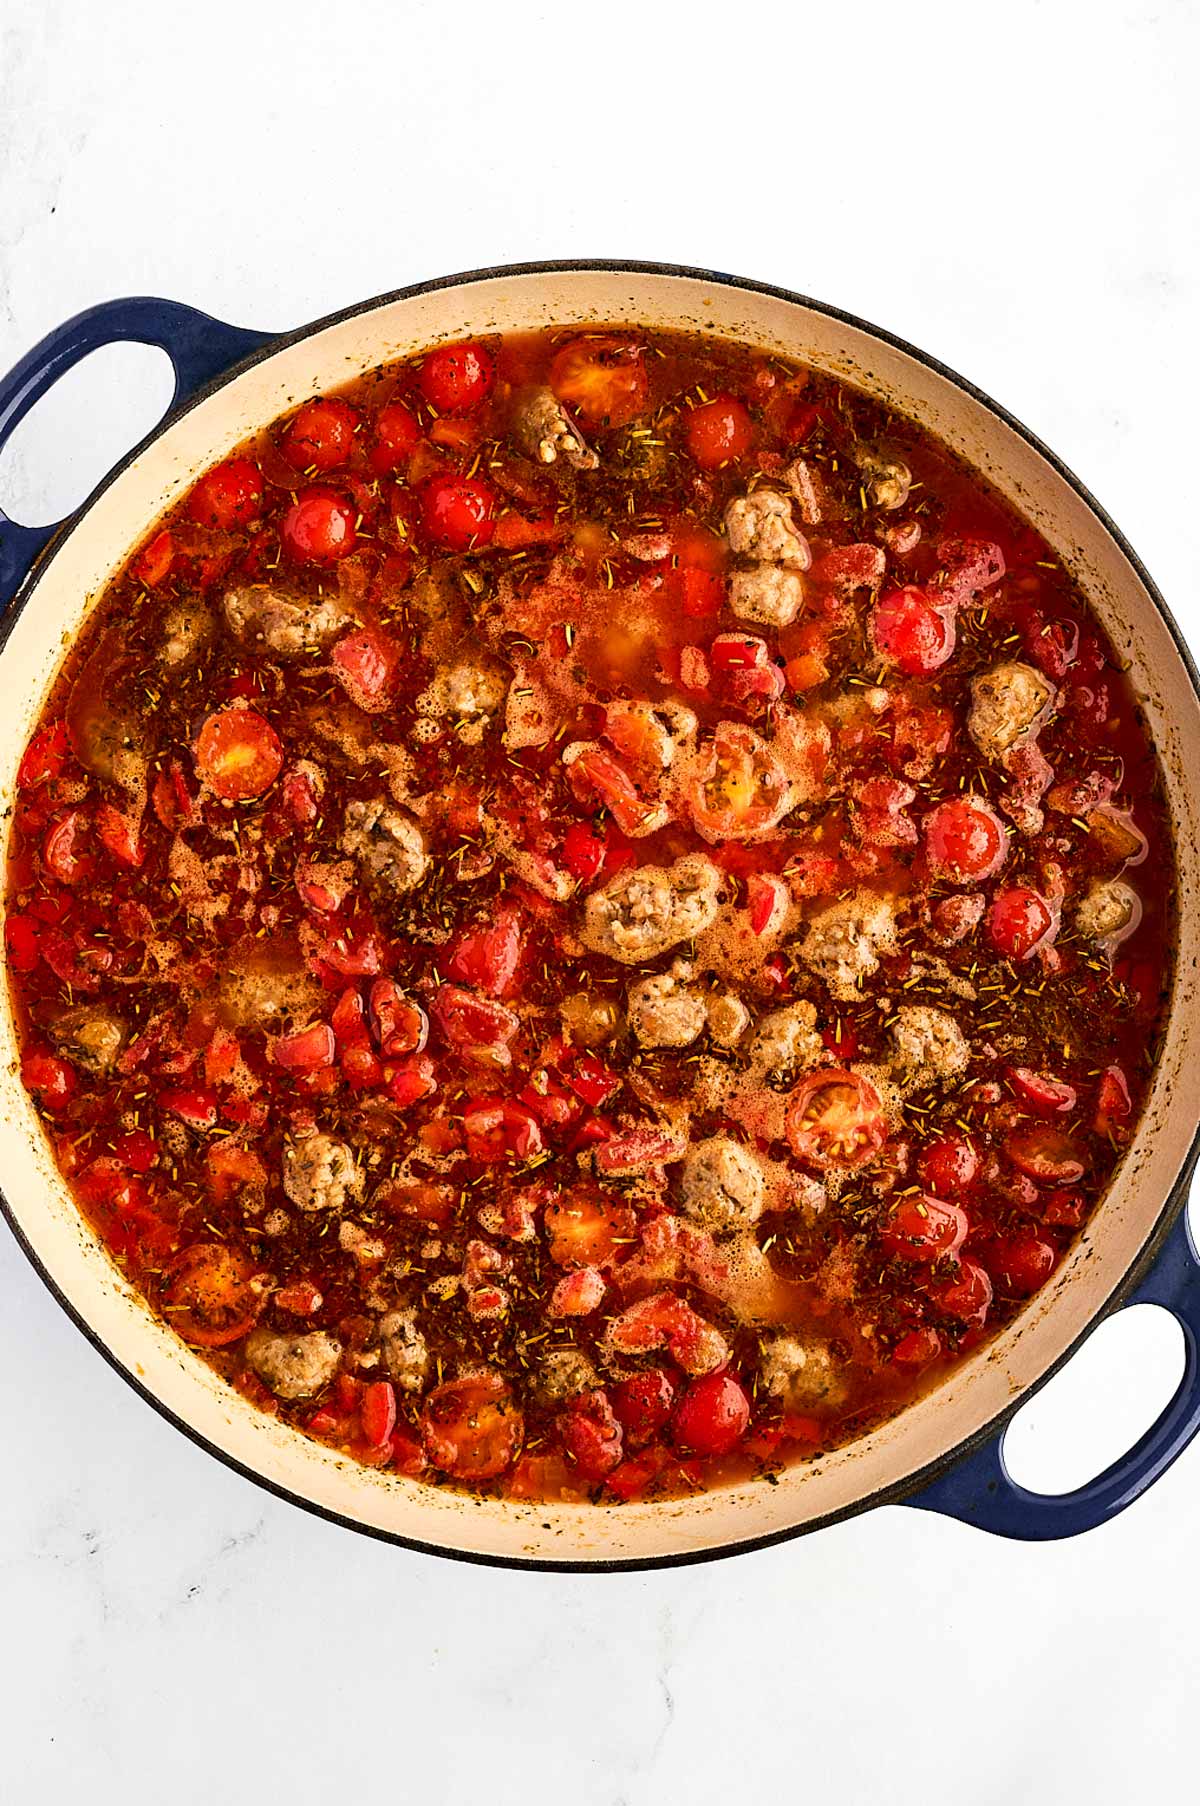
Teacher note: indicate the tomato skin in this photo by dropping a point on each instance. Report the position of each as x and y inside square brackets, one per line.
[458, 512]
[456, 378]
[712, 1416]
[835, 1115]
[1019, 921]
[949, 1166]
[238, 753]
[718, 432]
[319, 527]
[910, 633]
[925, 1228]
[965, 841]
[228, 496]
[321, 435]
[603, 379]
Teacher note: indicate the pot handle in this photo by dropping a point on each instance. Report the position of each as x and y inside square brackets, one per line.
[979, 1489]
[199, 347]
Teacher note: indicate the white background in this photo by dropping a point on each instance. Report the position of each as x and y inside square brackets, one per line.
[1013, 188]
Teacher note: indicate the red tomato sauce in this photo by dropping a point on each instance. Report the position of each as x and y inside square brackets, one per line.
[589, 915]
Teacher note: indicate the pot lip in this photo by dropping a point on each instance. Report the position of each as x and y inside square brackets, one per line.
[899, 1490]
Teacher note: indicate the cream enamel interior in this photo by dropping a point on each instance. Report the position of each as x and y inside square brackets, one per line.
[76, 573]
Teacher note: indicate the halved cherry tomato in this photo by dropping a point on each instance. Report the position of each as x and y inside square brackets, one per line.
[456, 378]
[718, 432]
[596, 774]
[211, 1298]
[233, 1169]
[910, 633]
[319, 527]
[1049, 1097]
[925, 1228]
[741, 790]
[712, 1416]
[228, 496]
[321, 435]
[458, 512]
[603, 379]
[586, 1229]
[965, 841]
[592, 1081]
[238, 753]
[1019, 921]
[192, 1105]
[472, 1427]
[153, 563]
[1045, 1154]
[835, 1116]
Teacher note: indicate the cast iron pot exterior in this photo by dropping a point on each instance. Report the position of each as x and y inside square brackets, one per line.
[944, 1453]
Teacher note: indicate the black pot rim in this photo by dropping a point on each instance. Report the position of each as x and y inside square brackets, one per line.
[900, 1490]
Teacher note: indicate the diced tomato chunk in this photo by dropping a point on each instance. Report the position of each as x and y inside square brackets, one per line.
[583, 852]
[1114, 1106]
[918, 1348]
[307, 1049]
[642, 1405]
[194, 1106]
[21, 943]
[399, 1025]
[487, 957]
[152, 565]
[65, 849]
[365, 664]
[497, 1129]
[909, 632]
[412, 1080]
[121, 835]
[590, 1435]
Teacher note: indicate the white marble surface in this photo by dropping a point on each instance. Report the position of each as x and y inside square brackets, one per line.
[1012, 195]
